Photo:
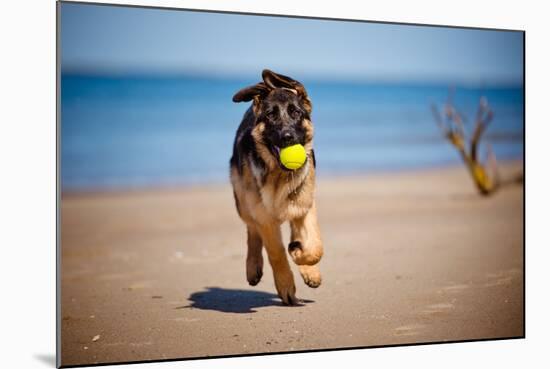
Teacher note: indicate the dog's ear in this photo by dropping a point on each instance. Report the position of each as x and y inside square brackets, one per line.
[252, 92]
[275, 80]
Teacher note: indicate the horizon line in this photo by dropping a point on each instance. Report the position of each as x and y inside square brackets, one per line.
[315, 77]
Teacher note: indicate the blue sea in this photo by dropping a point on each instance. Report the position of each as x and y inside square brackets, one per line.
[146, 131]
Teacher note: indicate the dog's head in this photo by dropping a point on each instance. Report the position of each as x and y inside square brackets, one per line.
[282, 109]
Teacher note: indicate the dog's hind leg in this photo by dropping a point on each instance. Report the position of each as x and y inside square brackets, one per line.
[284, 280]
[254, 258]
[306, 247]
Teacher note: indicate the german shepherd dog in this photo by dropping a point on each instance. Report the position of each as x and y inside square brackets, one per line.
[266, 193]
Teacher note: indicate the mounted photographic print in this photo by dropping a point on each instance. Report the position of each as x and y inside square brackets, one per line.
[238, 184]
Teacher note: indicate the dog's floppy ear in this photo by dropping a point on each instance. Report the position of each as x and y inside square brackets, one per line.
[275, 80]
[251, 92]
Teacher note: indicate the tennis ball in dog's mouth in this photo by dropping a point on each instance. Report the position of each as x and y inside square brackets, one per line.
[293, 157]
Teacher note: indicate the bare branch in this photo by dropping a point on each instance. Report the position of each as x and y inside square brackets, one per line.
[457, 120]
[453, 129]
[483, 118]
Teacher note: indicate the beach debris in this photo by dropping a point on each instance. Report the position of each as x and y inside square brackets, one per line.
[451, 123]
[156, 297]
[96, 337]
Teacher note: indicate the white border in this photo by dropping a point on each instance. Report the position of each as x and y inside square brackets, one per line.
[27, 206]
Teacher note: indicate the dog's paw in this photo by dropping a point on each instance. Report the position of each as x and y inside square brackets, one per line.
[254, 276]
[311, 275]
[289, 299]
[284, 282]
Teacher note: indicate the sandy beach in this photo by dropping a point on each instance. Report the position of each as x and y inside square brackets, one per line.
[409, 257]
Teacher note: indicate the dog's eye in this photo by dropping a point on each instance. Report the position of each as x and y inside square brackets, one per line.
[271, 114]
[293, 112]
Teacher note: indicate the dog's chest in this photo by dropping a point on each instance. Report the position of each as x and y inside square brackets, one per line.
[280, 194]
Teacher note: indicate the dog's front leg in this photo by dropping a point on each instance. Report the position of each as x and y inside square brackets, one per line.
[284, 280]
[306, 247]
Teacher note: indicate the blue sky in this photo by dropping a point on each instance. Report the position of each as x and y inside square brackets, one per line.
[132, 40]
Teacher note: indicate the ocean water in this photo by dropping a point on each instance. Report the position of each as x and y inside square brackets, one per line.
[132, 132]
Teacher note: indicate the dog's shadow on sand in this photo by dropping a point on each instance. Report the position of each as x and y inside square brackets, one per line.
[233, 301]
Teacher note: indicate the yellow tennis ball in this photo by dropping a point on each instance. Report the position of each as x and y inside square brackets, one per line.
[293, 157]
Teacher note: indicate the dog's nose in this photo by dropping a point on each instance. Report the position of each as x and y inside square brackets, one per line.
[287, 138]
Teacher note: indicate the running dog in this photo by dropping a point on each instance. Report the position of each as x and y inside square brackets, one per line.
[266, 193]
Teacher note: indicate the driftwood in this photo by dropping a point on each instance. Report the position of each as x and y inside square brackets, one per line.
[451, 122]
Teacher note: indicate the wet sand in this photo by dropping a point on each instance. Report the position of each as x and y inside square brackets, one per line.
[409, 257]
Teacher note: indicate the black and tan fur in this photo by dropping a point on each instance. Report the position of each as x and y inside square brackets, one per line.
[267, 194]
